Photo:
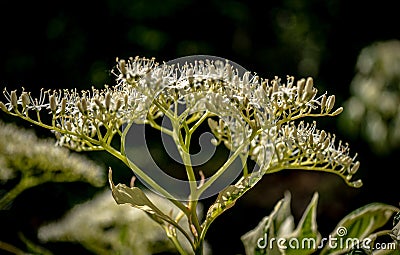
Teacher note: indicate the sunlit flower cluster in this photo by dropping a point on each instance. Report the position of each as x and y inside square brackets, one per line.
[254, 111]
[303, 146]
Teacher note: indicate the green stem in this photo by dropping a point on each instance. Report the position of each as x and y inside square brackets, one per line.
[56, 129]
[178, 246]
[10, 248]
[162, 129]
[136, 170]
[199, 122]
[244, 165]
[175, 241]
[309, 168]
[185, 211]
[199, 249]
[185, 155]
[222, 169]
[152, 183]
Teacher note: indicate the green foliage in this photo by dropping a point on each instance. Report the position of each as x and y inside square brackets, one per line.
[228, 197]
[279, 226]
[356, 233]
[360, 224]
[138, 199]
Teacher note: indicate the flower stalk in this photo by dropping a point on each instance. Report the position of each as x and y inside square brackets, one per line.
[254, 118]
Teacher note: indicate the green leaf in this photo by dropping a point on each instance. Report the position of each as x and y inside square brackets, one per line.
[305, 239]
[227, 197]
[257, 241]
[357, 226]
[136, 198]
[275, 234]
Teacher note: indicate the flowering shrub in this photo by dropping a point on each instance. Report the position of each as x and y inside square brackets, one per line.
[254, 118]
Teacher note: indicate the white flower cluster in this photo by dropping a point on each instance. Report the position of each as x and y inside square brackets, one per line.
[251, 109]
[375, 100]
[303, 146]
[23, 153]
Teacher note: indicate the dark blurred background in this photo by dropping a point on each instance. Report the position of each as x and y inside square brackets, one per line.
[73, 44]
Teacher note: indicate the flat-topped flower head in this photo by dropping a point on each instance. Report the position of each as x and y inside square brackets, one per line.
[260, 113]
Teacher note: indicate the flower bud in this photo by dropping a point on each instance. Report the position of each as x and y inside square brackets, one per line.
[79, 105]
[3, 107]
[93, 132]
[246, 78]
[309, 85]
[307, 95]
[228, 145]
[214, 142]
[354, 168]
[14, 99]
[357, 184]
[323, 103]
[108, 100]
[68, 126]
[326, 144]
[330, 103]
[246, 101]
[338, 111]
[275, 87]
[59, 138]
[264, 85]
[253, 124]
[322, 136]
[221, 124]
[53, 104]
[119, 104]
[190, 72]
[311, 139]
[126, 100]
[212, 124]
[84, 104]
[98, 103]
[25, 99]
[300, 87]
[63, 105]
[122, 66]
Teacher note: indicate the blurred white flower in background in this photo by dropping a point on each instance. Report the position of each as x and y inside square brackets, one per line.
[104, 227]
[373, 110]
